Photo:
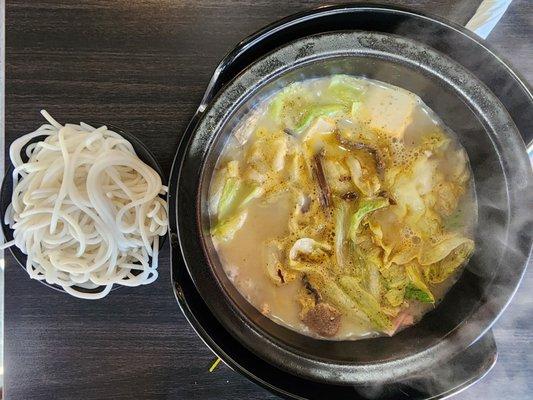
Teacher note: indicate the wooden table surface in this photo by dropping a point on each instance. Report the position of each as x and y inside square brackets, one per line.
[143, 65]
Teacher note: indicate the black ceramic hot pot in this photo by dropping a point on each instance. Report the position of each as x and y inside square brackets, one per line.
[475, 93]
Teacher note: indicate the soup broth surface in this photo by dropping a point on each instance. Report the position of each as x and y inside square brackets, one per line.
[342, 208]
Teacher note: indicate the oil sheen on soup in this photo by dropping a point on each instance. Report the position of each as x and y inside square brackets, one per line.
[342, 208]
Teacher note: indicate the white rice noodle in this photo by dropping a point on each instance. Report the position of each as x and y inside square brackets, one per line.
[85, 209]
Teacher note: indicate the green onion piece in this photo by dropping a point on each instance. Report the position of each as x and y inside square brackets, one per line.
[215, 364]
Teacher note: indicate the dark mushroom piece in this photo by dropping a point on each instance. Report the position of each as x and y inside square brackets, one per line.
[374, 153]
[386, 194]
[311, 289]
[318, 173]
[345, 178]
[289, 132]
[349, 196]
[280, 275]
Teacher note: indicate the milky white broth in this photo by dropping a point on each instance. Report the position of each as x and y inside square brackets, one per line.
[272, 155]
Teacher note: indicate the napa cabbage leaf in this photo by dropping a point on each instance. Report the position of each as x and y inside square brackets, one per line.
[366, 206]
[366, 302]
[417, 288]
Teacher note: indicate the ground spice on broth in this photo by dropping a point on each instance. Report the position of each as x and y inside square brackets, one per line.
[343, 208]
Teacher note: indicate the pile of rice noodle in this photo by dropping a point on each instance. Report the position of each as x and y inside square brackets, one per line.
[85, 209]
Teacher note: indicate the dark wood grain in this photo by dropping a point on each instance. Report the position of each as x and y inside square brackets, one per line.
[143, 66]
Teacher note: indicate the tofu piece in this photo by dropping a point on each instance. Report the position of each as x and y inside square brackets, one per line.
[321, 126]
[315, 135]
[388, 109]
